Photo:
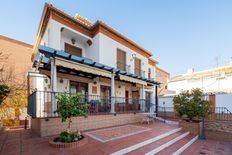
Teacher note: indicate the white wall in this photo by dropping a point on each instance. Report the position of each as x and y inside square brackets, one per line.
[152, 71]
[103, 49]
[177, 86]
[224, 100]
[206, 84]
[108, 53]
[62, 86]
[168, 102]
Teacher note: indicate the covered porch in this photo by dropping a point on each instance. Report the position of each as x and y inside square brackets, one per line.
[106, 89]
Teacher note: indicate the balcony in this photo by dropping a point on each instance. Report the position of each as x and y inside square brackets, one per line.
[123, 67]
[40, 104]
[139, 72]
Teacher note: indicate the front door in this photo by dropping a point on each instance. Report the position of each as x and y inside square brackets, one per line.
[105, 98]
[135, 98]
[148, 101]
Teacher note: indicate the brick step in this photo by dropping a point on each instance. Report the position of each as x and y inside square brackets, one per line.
[179, 145]
[167, 144]
[146, 142]
[149, 147]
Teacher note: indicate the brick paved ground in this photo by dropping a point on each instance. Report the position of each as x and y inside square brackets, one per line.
[23, 142]
[209, 147]
[113, 133]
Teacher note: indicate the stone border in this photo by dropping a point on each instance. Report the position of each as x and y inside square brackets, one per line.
[90, 134]
[67, 145]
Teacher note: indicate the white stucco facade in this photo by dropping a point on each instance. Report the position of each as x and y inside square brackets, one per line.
[102, 50]
[214, 80]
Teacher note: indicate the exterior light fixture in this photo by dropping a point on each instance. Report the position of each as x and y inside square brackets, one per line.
[73, 41]
[89, 42]
[133, 56]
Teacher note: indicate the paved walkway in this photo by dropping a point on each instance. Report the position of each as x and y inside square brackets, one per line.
[23, 142]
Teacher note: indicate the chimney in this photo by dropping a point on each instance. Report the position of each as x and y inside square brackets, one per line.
[190, 71]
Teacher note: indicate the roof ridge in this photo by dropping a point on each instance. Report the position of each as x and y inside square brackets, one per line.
[15, 41]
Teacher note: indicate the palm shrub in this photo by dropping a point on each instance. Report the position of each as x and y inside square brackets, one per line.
[70, 106]
[192, 104]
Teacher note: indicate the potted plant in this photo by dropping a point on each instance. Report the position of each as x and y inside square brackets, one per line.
[69, 106]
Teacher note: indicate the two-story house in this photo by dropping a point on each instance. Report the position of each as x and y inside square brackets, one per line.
[72, 55]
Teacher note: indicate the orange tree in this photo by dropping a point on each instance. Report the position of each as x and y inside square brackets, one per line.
[70, 106]
[192, 104]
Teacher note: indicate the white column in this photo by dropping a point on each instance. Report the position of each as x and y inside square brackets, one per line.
[112, 110]
[53, 85]
[142, 98]
[152, 108]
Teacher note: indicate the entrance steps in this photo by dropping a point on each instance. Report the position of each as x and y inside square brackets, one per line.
[172, 142]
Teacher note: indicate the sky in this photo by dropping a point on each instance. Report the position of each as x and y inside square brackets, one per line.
[181, 34]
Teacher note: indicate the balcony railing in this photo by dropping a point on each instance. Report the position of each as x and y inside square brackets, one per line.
[123, 67]
[40, 104]
[139, 72]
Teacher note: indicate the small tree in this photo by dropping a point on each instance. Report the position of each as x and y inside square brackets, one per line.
[192, 104]
[4, 92]
[70, 106]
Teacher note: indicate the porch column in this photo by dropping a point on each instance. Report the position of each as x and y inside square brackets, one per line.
[152, 107]
[112, 110]
[156, 100]
[142, 99]
[53, 86]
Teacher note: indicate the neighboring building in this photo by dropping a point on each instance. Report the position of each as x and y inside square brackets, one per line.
[17, 58]
[162, 76]
[15, 62]
[71, 54]
[215, 80]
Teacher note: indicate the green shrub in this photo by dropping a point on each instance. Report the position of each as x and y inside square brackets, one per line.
[192, 104]
[4, 92]
[67, 137]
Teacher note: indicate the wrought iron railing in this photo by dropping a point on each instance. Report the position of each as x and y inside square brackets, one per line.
[41, 104]
[123, 67]
[217, 113]
[222, 113]
[166, 112]
[139, 72]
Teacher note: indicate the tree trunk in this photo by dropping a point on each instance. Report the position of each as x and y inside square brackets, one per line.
[69, 123]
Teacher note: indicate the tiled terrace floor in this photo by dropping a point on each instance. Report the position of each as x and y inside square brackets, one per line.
[23, 142]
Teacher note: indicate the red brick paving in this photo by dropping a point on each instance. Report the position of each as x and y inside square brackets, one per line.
[209, 147]
[25, 143]
[116, 132]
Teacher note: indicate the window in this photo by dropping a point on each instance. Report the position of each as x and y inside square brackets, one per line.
[76, 87]
[149, 73]
[73, 49]
[137, 66]
[121, 60]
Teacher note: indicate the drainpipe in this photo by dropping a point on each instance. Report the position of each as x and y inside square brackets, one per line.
[54, 85]
[156, 100]
[112, 110]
